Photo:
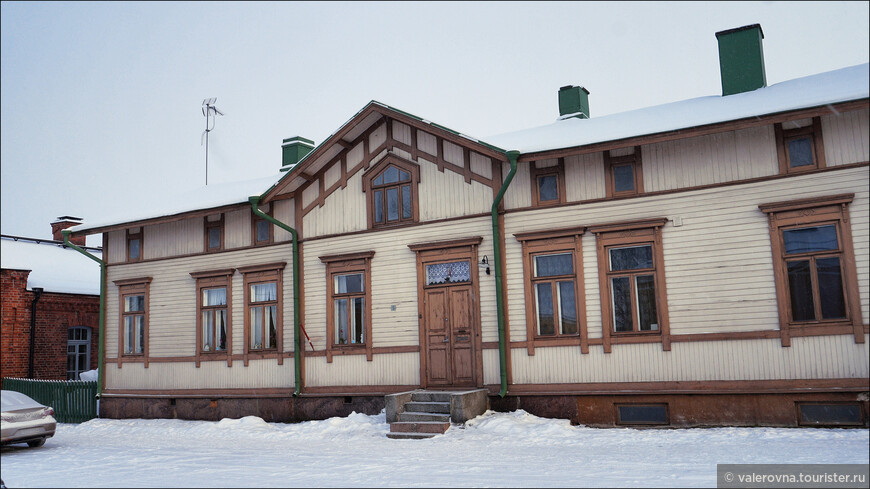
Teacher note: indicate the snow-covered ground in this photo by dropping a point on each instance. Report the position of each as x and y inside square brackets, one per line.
[493, 450]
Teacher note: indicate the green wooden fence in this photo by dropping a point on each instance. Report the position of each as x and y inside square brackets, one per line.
[74, 401]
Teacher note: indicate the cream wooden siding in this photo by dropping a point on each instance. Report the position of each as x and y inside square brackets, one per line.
[174, 238]
[584, 177]
[439, 194]
[394, 280]
[310, 194]
[481, 165]
[846, 137]
[718, 264]
[172, 312]
[355, 370]
[117, 247]
[812, 357]
[519, 193]
[286, 213]
[401, 132]
[237, 228]
[210, 375]
[378, 136]
[715, 158]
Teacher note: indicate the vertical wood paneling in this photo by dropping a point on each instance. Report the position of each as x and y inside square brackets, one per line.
[332, 175]
[481, 165]
[355, 157]
[117, 246]
[237, 228]
[445, 194]
[343, 211]
[284, 211]
[519, 193]
[310, 193]
[847, 137]
[584, 177]
[174, 238]
[427, 142]
[402, 132]
[453, 154]
[378, 136]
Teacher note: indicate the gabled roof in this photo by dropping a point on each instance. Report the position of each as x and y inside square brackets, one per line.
[53, 266]
[846, 84]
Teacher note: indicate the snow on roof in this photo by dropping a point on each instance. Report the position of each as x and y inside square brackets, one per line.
[204, 197]
[812, 91]
[53, 267]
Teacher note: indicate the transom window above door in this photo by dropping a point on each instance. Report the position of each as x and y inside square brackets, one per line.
[448, 273]
[391, 188]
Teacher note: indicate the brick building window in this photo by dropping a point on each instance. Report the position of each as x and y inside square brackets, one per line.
[78, 351]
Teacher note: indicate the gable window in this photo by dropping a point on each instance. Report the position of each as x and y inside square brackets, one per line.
[391, 188]
[552, 266]
[134, 244]
[78, 351]
[548, 181]
[263, 309]
[623, 172]
[799, 145]
[632, 282]
[348, 282]
[814, 265]
[214, 314]
[134, 304]
[261, 229]
[214, 233]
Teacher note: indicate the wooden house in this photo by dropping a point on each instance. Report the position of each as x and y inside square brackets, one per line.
[703, 262]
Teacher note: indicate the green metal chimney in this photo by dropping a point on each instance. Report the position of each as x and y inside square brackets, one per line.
[741, 59]
[294, 149]
[574, 100]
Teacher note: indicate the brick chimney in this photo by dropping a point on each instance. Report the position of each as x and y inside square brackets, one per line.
[64, 222]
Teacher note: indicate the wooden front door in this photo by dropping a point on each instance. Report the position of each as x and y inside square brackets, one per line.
[449, 324]
[449, 306]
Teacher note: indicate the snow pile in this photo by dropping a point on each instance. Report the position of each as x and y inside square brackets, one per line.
[89, 376]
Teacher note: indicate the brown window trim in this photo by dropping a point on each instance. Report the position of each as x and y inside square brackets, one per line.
[784, 135]
[548, 242]
[210, 280]
[807, 212]
[635, 160]
[208, 225]
[627, 234]
[270, 272]
[344, 264]
[534, 173]
[134, 286]
[255, 219]
[134, 236]
[369, 189]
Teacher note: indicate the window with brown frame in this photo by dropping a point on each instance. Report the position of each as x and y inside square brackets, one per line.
[348, 289]
[623, 173]
[261, 229]
[133, 318]
[632, 282]
[214, 233]
[391, 192]
[799, 145]
[134, 244]
[548, 182]
[263, 309]
[214, 314]
[814, 266]
[552, 265]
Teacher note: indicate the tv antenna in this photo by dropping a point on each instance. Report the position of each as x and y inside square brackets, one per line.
[210, 112]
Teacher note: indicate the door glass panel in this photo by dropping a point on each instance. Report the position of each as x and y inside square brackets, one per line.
[551, 265]
[623, 178]
[621, 302]
[800, 152]
[830, 288]
[800, 288]
[631, 258]
[548, 188]
[806, 240]
[647, 319]
[544, 302]
[453, 272]
[392, 204]
[568, 308]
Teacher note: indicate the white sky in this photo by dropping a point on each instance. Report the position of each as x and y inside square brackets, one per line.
[100, 102]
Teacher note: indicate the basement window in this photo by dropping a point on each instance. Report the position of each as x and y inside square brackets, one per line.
[642, 414]
[832, 414]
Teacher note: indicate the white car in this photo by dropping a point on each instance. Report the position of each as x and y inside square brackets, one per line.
[24, 420]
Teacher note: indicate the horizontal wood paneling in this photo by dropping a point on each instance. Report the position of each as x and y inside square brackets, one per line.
[384, 369]
[814, 357]
[846, 137]
[210, 375]
[718, 263]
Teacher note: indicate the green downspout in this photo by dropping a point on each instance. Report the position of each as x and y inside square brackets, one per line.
[297, 334]
[499, 287]
[102, 340]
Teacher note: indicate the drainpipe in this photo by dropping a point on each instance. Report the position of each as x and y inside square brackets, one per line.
[297, 335]
[499, 277]
[102, 340]
[38, 293]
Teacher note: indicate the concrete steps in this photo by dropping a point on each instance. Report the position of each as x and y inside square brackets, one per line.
[423, 414]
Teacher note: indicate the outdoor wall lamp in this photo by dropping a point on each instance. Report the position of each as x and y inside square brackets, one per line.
[484, 263]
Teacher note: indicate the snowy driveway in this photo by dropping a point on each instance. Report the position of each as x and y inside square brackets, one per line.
[494, 450]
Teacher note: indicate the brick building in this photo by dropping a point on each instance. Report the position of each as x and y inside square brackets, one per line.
[63, 288]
